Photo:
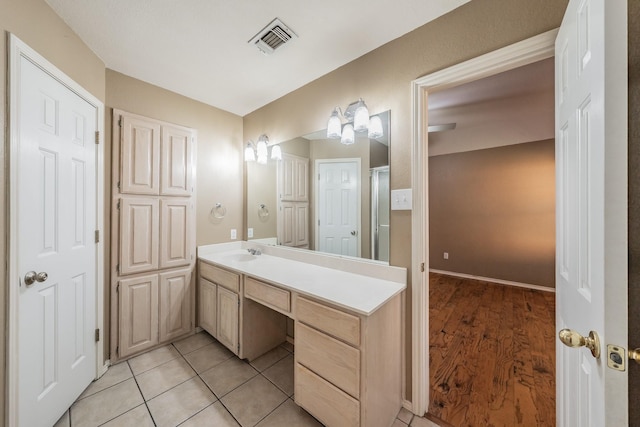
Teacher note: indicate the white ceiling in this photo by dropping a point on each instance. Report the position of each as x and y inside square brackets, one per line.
[199, 48]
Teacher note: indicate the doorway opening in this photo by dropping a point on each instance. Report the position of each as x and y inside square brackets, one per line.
[529, 51]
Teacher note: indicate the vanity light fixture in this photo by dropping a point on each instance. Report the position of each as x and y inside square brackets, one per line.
[358, 120]
[260, 151]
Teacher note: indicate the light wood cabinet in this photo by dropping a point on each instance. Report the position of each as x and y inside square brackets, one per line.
[140, 156]
[208, 306]
[176, 217]
[139, 237]
[228, 320]
[247, 328]
[152, 233]
[293, 178]
[176, 158]
[293, 200]
[294, 224]
[347, 366]
[175, 315]
[138, 300]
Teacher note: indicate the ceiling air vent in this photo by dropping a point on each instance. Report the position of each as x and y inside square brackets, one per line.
[272, 37]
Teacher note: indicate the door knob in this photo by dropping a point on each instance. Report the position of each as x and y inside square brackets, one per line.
[635, 355]
[31, 277]
[354, 232]
[573, 339]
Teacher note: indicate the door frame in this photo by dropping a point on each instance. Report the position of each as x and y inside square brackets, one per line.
[316, 199]
[516, 55]
[17, 50]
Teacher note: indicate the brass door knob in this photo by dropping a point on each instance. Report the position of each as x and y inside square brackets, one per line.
[571, 338]
[635, 355]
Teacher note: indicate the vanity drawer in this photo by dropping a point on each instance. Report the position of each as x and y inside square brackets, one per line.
[334, 322]
[271, 296]
[333, 360]
[323, 400]
[220, 276]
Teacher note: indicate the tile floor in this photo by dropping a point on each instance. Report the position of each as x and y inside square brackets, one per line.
[198, 382]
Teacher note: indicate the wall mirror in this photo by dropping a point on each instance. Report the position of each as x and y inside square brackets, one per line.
[324, 195]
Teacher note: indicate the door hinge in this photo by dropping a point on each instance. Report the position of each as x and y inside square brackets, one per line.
[118, 270]
[118, 351]
[318, 222]
[118, 205]
[318, 177]
[422, 267]
[97, 235]
[118, 288]
[97, 335]
[118, 185]
[120, 122]
[97, 137]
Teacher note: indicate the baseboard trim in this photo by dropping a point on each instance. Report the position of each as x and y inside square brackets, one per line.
[499, 281]
[407, 405]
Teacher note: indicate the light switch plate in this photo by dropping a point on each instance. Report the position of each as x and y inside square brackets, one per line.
[249, 232]
[401, 200]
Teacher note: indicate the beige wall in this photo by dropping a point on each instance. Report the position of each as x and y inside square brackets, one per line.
[383, 76]
[493, 212]
[37, 25]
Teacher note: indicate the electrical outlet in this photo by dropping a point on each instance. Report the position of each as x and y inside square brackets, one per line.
[250, 233]
[446, 255]
[234, 234]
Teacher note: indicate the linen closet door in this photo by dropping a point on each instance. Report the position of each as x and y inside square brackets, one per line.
[176, 158]
[138, 301]
[140, 156]
[175, 303]
[139, 235]
[176, 248]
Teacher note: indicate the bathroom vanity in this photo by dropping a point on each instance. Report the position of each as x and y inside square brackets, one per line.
[347, 315]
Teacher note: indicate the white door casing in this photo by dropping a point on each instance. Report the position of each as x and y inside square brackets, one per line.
[56, 190]
[519, 54]
[591, 209]
[337, 211]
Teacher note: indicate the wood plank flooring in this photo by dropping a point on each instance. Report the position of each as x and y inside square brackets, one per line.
[492, 353]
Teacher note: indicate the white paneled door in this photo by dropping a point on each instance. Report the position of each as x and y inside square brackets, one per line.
[591, 174]
[338, 207]
[56, 246]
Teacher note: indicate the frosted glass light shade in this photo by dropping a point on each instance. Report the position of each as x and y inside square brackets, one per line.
[276, 153]
[361, 117]
[261, 149]
[262, 160]
[375, 128]
[249, 154]
[334, 126]
[348, 135]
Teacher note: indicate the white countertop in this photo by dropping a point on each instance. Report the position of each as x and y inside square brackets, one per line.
[355, 292]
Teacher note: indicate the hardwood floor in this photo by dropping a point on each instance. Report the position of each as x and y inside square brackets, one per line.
[492, 353]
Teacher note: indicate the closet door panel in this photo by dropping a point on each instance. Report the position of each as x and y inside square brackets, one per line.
[175, 232]
[302, 224]
[175, 304]
[139, 223]
[301, 177]
[176, 158]
[286, 233]
[140, 156]
[138, 306]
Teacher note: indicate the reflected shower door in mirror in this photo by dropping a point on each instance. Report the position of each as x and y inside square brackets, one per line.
[324, 195]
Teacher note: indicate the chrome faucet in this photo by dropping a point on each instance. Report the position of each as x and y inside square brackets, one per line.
[254, 251]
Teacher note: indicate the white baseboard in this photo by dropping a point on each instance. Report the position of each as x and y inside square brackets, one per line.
[407, 405]
[499, 281]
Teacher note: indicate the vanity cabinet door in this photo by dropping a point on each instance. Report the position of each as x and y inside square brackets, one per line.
[208, 306]
[138, 304]
[227, 328]
[175, 304]
[176, 158]
[175, 232]
[140, 156]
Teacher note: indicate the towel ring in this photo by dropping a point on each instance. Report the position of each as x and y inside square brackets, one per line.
[218, 211]
[263, 212]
